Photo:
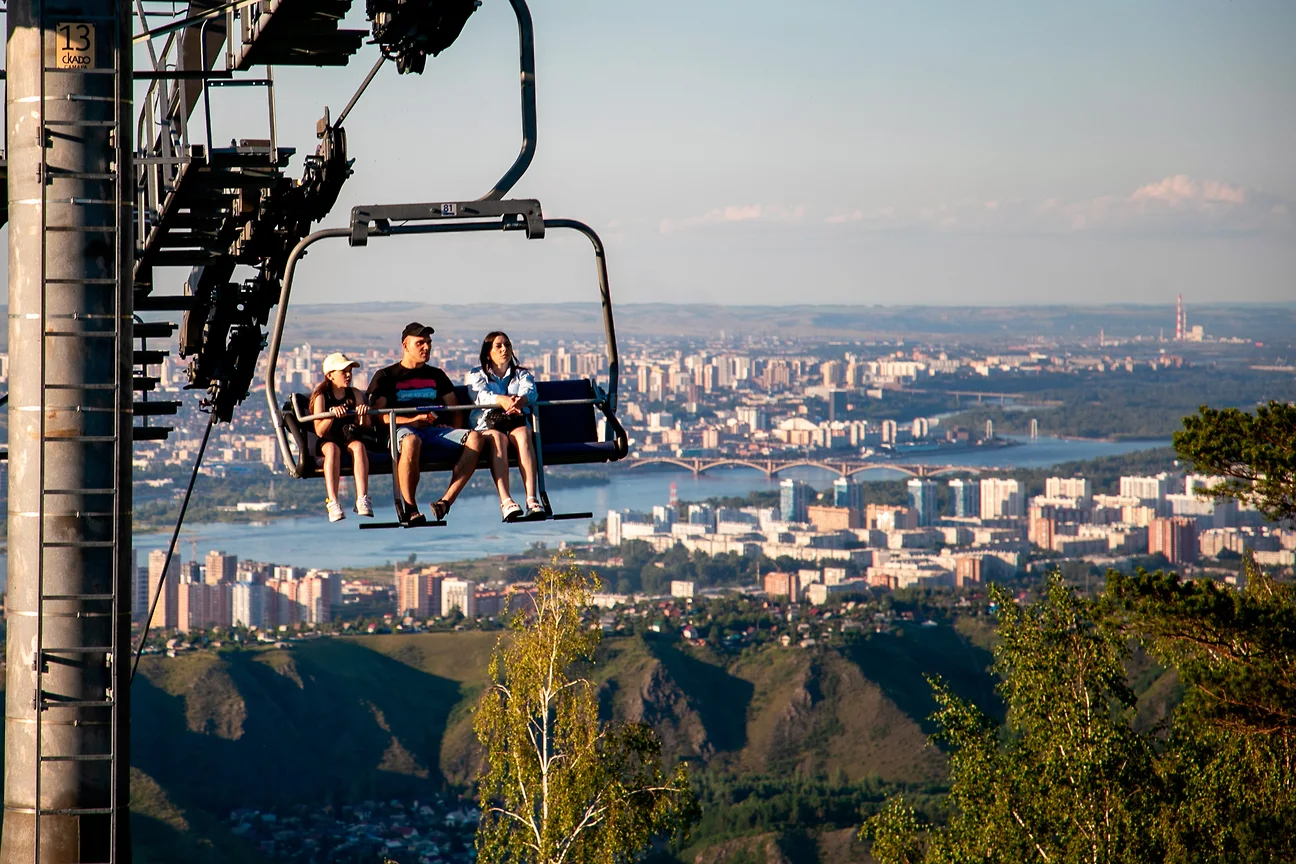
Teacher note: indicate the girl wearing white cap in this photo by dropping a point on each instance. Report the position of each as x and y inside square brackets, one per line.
[335, 395]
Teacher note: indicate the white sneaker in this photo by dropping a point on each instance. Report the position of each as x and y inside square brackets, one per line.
[334, 509]
[364, 505]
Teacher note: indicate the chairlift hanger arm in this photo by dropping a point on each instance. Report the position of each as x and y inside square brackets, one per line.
[526, 60]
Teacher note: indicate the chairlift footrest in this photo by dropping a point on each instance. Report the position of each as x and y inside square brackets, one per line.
[371, 526]
[560, 516]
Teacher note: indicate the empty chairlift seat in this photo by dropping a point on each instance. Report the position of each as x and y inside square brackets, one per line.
[569, 434]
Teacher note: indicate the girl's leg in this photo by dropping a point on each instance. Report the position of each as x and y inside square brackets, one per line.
[360, 468]
[525, 442]
[498, 444]
[332, 468]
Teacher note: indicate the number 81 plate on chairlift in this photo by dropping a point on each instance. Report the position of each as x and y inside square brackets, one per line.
[449, 209]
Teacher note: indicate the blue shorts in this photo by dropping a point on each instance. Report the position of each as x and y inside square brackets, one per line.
[446, 439]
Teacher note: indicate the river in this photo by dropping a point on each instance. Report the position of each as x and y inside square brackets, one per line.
[474, 529]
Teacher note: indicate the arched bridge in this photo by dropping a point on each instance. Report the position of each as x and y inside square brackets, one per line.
[773, 467]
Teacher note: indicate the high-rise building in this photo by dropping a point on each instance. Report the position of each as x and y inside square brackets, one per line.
[282, 607]
[836, 405]
[1175, 538]
[920, 428]
[139, 588]
[196, 607]
[1197, 483]
[778, 584]
[888, 517]
[888, 431]
[794, 497]
[829, 519]
[418, 592]
[221, 568]
[1001, 499]
[754, 416]
[777, 374]
[314, 598]
[1041, 530]
[1067, 487]
[166, 615]
[1150, 489]
[965, 498]
[847, 493]
[458, 594]
[922, 499]
[249, 604]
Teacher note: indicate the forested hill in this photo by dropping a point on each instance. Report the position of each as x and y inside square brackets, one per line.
[791, 746]
[334, 720]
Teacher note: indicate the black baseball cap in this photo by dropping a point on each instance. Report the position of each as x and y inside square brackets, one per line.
[416, 329]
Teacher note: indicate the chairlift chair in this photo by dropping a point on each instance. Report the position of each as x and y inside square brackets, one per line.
[573, 421]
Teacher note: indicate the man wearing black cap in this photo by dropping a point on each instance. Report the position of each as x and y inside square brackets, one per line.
[413, 383]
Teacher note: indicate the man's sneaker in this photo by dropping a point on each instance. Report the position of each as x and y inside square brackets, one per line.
[364, 505]
[334, 509]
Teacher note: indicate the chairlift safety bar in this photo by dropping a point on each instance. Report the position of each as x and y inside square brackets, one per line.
[439, 409]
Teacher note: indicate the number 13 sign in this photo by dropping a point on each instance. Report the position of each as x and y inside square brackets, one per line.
[74, 46]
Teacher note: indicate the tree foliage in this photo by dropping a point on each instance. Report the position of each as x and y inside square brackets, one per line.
[1070, 777]
[1254, 454]
[1236, 650]
[1066, 778]
[560, 785]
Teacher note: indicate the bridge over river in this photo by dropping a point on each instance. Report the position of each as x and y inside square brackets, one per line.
[773, 467]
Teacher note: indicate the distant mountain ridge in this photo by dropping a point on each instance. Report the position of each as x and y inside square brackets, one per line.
[357, 326]
[382, 322]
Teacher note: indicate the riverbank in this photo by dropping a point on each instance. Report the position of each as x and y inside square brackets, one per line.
[474, 530]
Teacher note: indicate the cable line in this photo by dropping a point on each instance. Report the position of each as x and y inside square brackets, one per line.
[166, 566]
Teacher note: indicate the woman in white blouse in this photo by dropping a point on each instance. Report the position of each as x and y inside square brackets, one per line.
[506, 390]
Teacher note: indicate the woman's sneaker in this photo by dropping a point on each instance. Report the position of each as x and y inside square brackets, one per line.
[334, 509]
[364, 505]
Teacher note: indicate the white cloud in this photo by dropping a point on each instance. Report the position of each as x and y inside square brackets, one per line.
[1176, 204]
[737, 213]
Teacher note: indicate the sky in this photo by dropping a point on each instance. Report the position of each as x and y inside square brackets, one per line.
[832, 151]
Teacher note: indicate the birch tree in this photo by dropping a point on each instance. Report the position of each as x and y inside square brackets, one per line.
[560, 786]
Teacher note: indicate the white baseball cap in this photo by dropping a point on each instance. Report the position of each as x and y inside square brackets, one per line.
[337, 362]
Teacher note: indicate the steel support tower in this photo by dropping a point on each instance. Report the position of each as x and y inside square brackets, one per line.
[70, 185]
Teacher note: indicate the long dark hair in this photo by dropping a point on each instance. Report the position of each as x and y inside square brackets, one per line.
[325, 384]
[514, 366]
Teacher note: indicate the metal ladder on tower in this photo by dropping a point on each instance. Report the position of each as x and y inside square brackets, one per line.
[86, 619]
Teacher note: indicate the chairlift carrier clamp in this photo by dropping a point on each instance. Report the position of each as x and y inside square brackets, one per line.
[524, 210]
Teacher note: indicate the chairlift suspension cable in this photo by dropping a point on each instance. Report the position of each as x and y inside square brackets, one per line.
[175, 534]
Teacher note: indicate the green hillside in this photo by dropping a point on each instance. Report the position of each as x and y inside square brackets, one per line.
[337, 720]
